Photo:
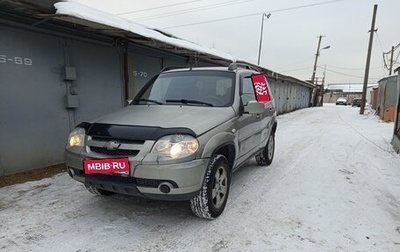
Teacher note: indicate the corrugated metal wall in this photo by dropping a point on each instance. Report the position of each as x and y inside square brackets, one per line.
[33, 122]
[289, 96]
[396, 133]
[387, 97]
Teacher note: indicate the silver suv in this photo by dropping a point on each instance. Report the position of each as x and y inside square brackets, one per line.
[180, 138]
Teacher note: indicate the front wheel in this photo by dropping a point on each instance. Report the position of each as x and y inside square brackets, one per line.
[213, 195]
[265, 157]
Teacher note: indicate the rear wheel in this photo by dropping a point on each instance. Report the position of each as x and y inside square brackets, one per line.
[97, 191]
[213, 195]
[267, 155]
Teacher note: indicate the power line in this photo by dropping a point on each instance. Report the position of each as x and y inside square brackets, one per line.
[379, 40]
[158, 7]
[395, 61]
[189, 10]
[352, 68]
[350, 75]
[390, 53]
[383, 54]
[292, 70]
[333, 71]
[295, 63]
[256, 14]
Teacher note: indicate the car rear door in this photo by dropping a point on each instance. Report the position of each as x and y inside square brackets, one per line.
[249, 125]
[263, 95]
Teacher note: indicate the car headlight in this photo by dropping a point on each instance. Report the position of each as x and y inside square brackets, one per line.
[176, 146]
[76, 138]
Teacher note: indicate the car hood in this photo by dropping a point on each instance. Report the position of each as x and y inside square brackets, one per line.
[198, 119]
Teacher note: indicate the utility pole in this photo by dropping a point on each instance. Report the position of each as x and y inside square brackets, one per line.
[316, 59]
[314, 98]
[391, 61]
[323, 88]
[371, 38]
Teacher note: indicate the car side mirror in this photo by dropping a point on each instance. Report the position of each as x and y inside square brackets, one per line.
[254, 107]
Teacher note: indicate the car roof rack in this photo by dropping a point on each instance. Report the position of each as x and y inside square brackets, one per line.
[236, 65]
[171, 68]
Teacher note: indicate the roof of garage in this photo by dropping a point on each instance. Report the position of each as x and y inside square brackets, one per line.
[116, 26]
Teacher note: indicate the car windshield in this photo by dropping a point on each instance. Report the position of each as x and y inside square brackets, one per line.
[191, 88]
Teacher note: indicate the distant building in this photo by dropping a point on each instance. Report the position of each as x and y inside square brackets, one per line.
[348, 90]
[335, 90]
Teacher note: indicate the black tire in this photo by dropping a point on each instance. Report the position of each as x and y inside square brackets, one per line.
[98, 191]
[213, 195]
[267, 155]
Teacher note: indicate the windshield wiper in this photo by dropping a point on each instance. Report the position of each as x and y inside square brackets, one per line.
[147, 100]
[185, 101]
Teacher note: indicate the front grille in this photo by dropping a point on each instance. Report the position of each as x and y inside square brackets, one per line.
[154, 183]
[116, 152]
[124, 141]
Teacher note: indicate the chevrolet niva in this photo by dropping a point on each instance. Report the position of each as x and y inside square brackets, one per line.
[180, 138]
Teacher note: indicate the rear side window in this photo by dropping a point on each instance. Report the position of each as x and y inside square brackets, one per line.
[247, 92]
[255, 88]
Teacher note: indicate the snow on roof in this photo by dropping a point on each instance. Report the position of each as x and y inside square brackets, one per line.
[81, 11]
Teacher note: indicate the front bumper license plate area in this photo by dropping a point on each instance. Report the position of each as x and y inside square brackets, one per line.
[106, 166]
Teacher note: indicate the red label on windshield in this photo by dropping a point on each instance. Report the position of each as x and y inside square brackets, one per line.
[260, 87]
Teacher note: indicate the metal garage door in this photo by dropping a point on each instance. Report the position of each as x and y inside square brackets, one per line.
[33, 121]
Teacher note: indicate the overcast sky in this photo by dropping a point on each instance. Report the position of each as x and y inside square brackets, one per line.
[290, 34]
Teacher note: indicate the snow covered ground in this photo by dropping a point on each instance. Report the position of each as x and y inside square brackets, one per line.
[334, 185]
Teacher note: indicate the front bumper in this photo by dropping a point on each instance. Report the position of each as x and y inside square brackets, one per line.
[179, 181]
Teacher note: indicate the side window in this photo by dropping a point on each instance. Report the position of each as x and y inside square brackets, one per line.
[247, 90]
